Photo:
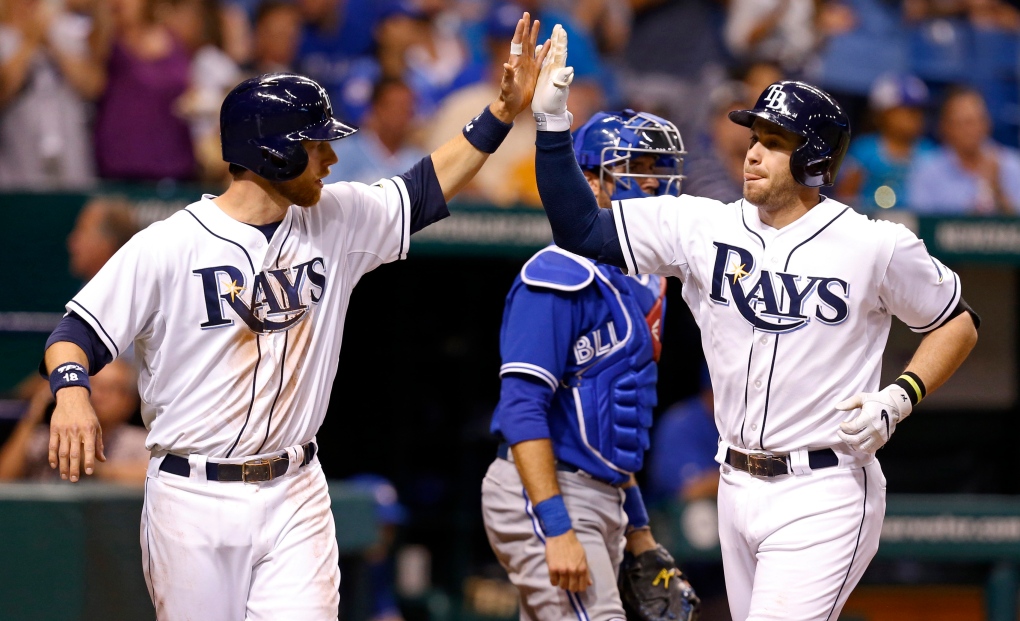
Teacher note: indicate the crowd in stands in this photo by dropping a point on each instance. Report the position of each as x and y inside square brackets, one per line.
[95, 91]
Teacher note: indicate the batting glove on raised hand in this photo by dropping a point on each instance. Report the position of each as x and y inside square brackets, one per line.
[880, 412]
[550, 103]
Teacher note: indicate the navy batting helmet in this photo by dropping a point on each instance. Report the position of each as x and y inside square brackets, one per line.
[812, 114]
[264, 119]
[609, 140]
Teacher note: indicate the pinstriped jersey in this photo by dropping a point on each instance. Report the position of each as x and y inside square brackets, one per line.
[793, 320]
[238, 337]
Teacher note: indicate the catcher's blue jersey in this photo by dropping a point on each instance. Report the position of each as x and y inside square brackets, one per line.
[591, 335]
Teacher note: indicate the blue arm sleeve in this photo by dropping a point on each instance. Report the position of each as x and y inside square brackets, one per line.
[577, 222]
[428, 205]
[74, 329]
[523, 406]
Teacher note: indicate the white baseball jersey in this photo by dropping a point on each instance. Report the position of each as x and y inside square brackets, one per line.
[792, 320]
[238, 338]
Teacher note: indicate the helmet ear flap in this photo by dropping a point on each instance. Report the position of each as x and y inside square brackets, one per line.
[284, 163]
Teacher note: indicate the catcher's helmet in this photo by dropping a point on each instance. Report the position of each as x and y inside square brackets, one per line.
[264, 119]
[609, 140]
[812, 114]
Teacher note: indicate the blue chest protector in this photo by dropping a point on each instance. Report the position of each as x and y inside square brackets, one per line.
[602, 407]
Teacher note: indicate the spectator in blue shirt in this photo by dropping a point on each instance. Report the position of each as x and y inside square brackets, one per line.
[877, 164]
[970, 173]
[381, 148]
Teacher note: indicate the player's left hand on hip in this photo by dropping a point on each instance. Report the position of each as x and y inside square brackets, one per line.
[880, 412]
[520, 71]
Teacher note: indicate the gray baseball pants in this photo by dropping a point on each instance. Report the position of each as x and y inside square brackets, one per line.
[596, 512]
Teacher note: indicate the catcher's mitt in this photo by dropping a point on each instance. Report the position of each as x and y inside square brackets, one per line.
[654, 589]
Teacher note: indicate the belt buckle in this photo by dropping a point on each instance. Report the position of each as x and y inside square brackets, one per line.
[258, 470]
[759, 464]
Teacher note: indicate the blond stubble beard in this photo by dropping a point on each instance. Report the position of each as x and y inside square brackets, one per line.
[776, 196]
[300, 192]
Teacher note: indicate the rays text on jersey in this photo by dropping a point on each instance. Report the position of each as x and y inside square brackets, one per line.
[776, 301]
[279, 298]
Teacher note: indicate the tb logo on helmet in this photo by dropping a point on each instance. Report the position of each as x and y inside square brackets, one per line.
[775, 99]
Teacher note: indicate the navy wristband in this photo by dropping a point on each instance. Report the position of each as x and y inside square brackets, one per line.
[634, 507]
[485, 132]
[69, 374]
[552, 516]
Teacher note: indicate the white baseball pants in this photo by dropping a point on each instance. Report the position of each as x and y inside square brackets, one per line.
[794, 547]
[234, 551]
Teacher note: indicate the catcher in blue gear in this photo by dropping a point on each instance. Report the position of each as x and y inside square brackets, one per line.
[580, 343]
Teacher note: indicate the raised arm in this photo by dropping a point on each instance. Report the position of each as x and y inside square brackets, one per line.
[577, 222]
[460, 158]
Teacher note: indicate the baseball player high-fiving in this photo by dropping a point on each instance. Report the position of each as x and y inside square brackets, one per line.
[794, 294]
[580, 343]
[235, 307]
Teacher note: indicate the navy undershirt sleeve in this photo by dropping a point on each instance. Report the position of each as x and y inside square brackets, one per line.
[428, 205]
[74, 329]
[577, 222]
[524, 407]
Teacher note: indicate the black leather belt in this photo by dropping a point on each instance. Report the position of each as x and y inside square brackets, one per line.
[250, 471]
[775, 465]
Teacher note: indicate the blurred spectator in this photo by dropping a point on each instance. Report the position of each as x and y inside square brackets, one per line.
[421, 42]
[381, 147]
[49, 73]
[389, 515]
[877, 164]
[986, 13]
[277, 37]
[607, 22]
[714, 165]
[779, 31]
[139, 136]
[970, 173]
[976, 42]
[508, 176]
[197, 24]
[104, 224]
[674, 84]
[757, 76]
[590, 76]
[115, 398]
[336, 40]
[684, 442]
[859, 41]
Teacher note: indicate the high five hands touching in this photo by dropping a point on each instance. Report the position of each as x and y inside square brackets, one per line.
[521, 71]
[550, 103]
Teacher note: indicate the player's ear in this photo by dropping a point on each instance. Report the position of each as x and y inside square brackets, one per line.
[593, 183]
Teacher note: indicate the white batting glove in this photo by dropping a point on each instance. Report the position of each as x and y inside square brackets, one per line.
[880, 412]
[550, 103]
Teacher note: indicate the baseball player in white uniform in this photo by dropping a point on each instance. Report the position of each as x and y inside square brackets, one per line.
[794, 294]
[235, 307]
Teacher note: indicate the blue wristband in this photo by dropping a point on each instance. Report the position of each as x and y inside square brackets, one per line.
[634, 507]
[485, 132]
[552, 516]
[69, 374]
